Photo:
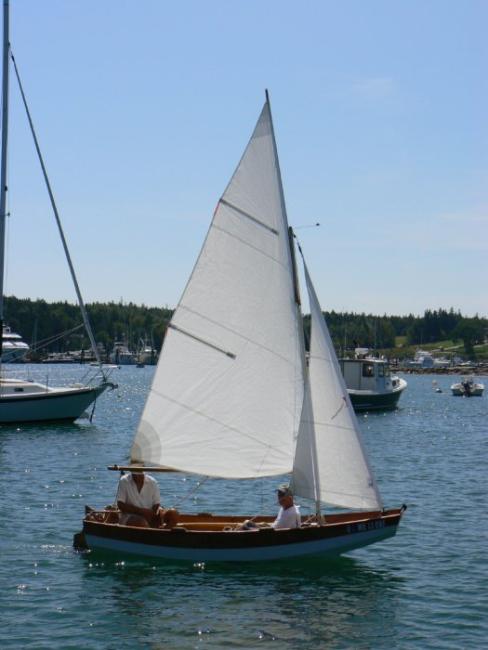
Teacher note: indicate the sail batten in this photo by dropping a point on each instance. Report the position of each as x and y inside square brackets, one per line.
[233, 416]
[202, 341]
[248, 216]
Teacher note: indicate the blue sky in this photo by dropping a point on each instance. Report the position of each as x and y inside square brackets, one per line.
[144, 108]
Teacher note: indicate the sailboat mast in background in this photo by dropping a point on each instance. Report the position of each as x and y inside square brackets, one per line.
[22, 400]
[3, 167]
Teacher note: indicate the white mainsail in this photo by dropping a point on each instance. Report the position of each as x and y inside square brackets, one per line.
[228, 390]
[330, 462]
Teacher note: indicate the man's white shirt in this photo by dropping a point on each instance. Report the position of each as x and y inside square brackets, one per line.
[146, 498]
[289, 518]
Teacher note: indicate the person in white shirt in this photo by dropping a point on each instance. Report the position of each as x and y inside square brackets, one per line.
[289, 513]
[139, 502]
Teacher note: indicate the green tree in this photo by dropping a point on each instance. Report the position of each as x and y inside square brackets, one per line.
[471, 331]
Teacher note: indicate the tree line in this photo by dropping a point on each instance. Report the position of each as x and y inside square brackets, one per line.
[349, 330]
[56, 327]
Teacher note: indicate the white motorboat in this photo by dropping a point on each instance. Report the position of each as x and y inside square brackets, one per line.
[121, 355]
[14, 349]
[146, 355]
[468, 387]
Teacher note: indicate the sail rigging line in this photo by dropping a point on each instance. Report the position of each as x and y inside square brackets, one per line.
[343, 404]
[310, 225]
[52, 339]
[58, 221]
[328, 424]
[248, 216]
[93, 410]
[192, 491]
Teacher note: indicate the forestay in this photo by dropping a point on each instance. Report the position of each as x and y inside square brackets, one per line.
[330, 463]
[228, 390]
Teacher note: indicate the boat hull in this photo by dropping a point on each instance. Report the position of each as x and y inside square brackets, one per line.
[341, 533]
[51, 406]
[365, 400]
[14, 354]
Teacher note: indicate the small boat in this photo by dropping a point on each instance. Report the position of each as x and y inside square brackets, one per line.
[369, 381]
[121, 355]
[14, 349]
[468, 387]
[233, 396]
[436, 387]
[59, 357]
[22, 400]
[146, 355]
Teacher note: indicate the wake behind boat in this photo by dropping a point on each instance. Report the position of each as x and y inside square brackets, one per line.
[233, 396]
[22, 400]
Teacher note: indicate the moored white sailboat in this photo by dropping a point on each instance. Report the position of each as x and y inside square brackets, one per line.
[233, 396]
[23, 400]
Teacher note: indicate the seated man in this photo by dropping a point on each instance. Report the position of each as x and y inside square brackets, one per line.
[138, 500]
[289, 513]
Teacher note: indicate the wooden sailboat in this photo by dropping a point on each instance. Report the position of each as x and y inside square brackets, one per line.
[23, 400]
[234, 397]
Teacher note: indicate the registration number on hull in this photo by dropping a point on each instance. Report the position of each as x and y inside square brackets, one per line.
[364, 526]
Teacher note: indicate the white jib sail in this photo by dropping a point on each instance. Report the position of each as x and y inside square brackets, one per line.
[330, 462]
[228, 390]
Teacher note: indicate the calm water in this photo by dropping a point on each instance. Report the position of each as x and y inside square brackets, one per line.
[426, 588]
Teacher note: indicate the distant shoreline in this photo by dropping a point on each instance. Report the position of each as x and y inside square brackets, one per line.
[454, 370]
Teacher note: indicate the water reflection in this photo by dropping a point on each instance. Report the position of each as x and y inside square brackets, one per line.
[315, 603]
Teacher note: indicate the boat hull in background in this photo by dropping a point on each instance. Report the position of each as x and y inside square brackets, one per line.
[366, 400]
[51, 405]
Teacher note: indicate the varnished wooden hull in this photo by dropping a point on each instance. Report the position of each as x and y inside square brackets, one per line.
[212, 538]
